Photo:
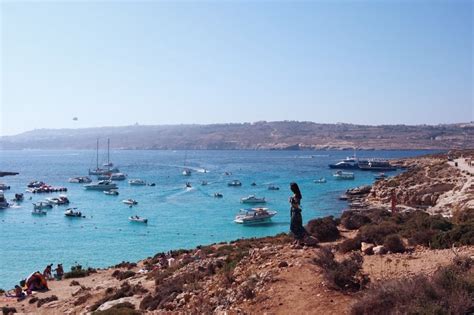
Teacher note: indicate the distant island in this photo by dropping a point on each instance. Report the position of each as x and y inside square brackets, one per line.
[279, 135]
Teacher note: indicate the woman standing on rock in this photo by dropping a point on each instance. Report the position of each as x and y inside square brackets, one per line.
[296, 225]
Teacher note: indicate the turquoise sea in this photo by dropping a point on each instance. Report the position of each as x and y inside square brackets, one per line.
[178, 217]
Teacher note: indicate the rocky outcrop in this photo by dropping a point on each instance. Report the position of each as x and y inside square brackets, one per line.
[431, 183]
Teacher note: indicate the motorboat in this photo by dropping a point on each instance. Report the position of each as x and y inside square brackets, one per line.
[253, 184]
[380, 176]
[343, 175]
[39, 212]
[71, 212]
[36, 184]
[252, 199]
[273, 187]
[118, 176]
[112, 192]
[4, 187]
[138, 219]
[3, 201]
[103, 171]
[322, 180]
[234, 183]
[347, 163]
[137, 182]
[101, 185]
[204, 183]
[105, 176]
[187, 172]
[42, 205]
[188, 185]
[130, 202]
[218, 195]
[60, 200]
[254, 216]
[376, 165]
[80, 180]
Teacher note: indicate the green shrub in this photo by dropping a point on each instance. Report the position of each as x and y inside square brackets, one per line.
[449, 291]
[394, 244]
[376, 233]
[462, 234]
[349, 245]
[343, 276]
[353, 220]
[324, 229]
[76, 272]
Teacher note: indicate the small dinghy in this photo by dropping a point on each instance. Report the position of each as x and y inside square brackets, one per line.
[130, 202]
[218, 195]
[38, 212]
[42, 205]
[234, 183]
[111, 192]
[273, 187]
[137, 219]
[252, 199]
[343, 175]
[204, 183]
[71, 212]
[322, 180]
[137, 182]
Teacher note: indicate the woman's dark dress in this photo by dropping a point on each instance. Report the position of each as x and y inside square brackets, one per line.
[296, 225]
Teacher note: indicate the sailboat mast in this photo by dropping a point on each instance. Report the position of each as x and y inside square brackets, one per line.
[108, 151]
[97, 154]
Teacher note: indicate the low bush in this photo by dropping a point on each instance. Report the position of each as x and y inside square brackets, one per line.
[349, 245]
[126, 264]
[463, 216]
[77, 272]
[462, 234]
[8, 310]
[121, 275]
[345, 275]
[353, 220]
[394, 244]
[324, 229]
[449, 291]
[376, 233]
[46, 300]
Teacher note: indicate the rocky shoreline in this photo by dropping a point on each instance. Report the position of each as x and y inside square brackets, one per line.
[439, 184]
[272, 275]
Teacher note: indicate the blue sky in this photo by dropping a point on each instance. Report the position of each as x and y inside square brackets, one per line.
[118, 63]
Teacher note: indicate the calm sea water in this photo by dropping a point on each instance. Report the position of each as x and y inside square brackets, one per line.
[178, 217]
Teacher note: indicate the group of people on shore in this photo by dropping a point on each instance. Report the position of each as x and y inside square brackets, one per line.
[37, 281]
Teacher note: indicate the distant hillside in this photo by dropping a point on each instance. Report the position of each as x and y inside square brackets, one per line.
[260, 135]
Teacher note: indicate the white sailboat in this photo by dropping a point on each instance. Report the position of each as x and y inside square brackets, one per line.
[109, 169]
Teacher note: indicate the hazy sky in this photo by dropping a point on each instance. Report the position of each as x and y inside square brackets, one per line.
[151, 62]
